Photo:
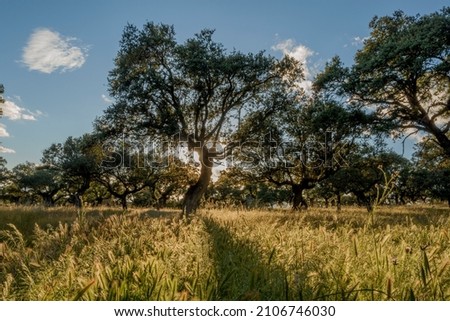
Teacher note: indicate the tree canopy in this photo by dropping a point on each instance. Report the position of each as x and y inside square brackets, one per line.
[192, 92]
[402, 71]
[181, 108]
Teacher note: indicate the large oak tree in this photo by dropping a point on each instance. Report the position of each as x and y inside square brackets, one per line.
[192, 92]
[402, 71]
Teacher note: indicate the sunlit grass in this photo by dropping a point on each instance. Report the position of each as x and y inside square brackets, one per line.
[401, 254]
[26, 217]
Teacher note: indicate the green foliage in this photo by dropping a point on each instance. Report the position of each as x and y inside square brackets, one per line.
[191, 92]
[403, 71]
[369, 175]
[77, 162]
[303, 145]
[235, 188]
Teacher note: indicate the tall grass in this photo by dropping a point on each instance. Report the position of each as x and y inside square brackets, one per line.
[26, 217]
[225, 255]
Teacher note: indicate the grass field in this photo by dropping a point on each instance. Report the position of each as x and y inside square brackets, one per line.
[401, 253]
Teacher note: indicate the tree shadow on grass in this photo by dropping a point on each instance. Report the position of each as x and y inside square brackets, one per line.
[242, 271]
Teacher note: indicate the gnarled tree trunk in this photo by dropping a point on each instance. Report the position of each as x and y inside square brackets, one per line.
[298, 201]
[123, 201]
[195, 192]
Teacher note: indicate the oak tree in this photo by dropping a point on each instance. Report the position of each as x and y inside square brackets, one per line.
[191, 92]
[403, 72]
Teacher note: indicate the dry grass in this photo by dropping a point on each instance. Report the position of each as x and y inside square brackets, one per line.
[401, 254]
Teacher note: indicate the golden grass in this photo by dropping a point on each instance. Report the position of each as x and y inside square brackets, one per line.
[400, 254]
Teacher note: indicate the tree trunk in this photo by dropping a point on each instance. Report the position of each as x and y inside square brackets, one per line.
[78, 196]
[78, 200]
[338, 201]
[195, 192]
[123, 202]
[48, 200]
[311, 201]
[364, 200]
[297, 198]
[161, 202]
[439, 134]
[99, 200]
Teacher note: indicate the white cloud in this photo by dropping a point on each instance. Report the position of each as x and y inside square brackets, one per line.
[6, 150]
[14, 112]
[414, 135]
[3, 131]
[358, 41]
[302, 54]
[47, 51]
[106, 99]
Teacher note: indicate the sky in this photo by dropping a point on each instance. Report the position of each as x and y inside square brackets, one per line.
[55, 55]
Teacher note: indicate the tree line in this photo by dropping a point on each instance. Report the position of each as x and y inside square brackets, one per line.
[182, 110]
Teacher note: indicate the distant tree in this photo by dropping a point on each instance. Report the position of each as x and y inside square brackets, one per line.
[435, 169]
[191, 92]
[403, 70]
[135, 167]
[228, 190]
[97, 194]
[43, 181]
[4, 178]
[173, 181]
[239, 188]
[2, 91]
[18, 191]
[366, 174]
[441, 184]
[129, 176]
[414, 183]
[77, 160]
[3, 170]
[301, 146]
[327, 191]
[169, 186]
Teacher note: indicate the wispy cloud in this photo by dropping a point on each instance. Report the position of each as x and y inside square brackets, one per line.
[107, 99]
[358, 41]
[48, 51]
[13, 112]
[3, 131]
[301, 53]
[6, 150]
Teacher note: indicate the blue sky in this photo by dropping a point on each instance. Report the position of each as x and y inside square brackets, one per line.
[55, 55]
